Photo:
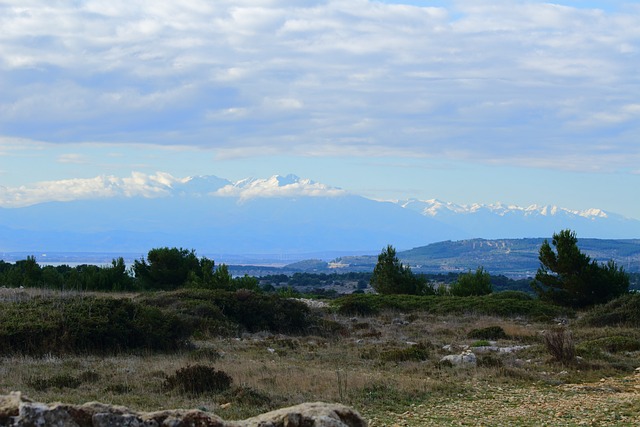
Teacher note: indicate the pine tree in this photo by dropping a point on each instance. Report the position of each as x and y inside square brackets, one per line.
[569, 277]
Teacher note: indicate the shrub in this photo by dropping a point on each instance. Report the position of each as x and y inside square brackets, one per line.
[559, 343]
[612, 344]
[481, 343]
[357, 306]
[59, 325]
[56, 381]
[489, 361]
[492, 305]
[224, 312]
[488, 333]
[248, 396]
[198, 379]
[416, 352]
[622, 311]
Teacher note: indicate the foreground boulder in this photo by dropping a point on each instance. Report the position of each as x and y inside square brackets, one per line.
[17, 410]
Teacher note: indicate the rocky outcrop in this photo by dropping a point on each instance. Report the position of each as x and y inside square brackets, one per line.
[17, 410]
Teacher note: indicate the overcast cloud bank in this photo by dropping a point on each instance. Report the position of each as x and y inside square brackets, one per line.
[493, 81]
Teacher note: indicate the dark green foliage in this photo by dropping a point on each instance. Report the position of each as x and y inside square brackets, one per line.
[357, 306]
[488, 333]
[173, 268]
[196, 380]
[622, 311]
[492, 304]
[168, 268]
[85, 277]
[468, 284]
[247, 396]
[569, 277]
[390, 276]
[612, 344]
[56, 381]
[95, 325]
[223, 312]
[489, 361]
[524, 296]
[119, 388]
[417, 352]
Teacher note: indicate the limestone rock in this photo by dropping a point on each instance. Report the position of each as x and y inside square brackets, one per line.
[18, 411]
[465, 359]
[315, 414]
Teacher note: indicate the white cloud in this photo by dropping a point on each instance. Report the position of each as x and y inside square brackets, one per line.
[160, 184]
[137, 184]
[502, 80]
[277, 186]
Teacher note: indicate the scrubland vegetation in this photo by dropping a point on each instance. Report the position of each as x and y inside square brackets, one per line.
[239, 353]
[229, 346]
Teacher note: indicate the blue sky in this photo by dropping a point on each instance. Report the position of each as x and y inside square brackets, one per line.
[469, 101]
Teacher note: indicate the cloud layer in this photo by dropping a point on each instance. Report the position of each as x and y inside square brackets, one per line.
[162, 184]
[518, 82]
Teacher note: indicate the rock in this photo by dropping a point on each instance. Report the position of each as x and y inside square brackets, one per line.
[465, 359]
[18, 411]
[316, 414]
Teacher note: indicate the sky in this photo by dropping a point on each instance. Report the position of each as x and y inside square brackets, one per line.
[467, 101]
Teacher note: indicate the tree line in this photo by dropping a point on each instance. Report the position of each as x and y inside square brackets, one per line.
[566, 276]
[163, 269]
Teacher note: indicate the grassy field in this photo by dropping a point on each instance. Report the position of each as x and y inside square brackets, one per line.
[386, 365]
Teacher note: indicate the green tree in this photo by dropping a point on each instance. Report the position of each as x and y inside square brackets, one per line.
[390, 276]
[166, 268]
[468, 284]
[570, 277]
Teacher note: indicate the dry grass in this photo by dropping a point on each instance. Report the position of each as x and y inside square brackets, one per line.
[271, 371]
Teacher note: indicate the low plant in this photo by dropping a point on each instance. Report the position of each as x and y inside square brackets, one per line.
[415, 352]
[559, 343]
[63, 325]
[56, 381]
[612, 344]
[622, 311]
[488, 333]
[195, 380]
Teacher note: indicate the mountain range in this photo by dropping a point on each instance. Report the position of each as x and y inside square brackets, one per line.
[277, 215]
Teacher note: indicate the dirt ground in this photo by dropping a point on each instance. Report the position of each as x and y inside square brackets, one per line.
[608, 402]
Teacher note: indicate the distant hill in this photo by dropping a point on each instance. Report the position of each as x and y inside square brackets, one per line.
[511, 257]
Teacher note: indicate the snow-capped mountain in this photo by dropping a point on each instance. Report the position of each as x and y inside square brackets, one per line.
[279, 214]
[434, 208]
[510, 221]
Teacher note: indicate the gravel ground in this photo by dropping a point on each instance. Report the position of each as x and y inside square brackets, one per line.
[609, 402]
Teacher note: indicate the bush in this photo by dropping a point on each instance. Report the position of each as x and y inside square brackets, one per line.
[357, 307]
[622, 311]
[198, 379]
[612, 344]
[59, 325]
[225, 312]
[488, 333]
[491, 305]
[56, 381]
[416, 352]
[559, 343]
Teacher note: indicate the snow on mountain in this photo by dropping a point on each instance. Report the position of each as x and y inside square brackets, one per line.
[435, 208]
[510, 221]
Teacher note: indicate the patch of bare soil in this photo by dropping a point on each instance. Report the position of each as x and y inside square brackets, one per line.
[608, 402]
